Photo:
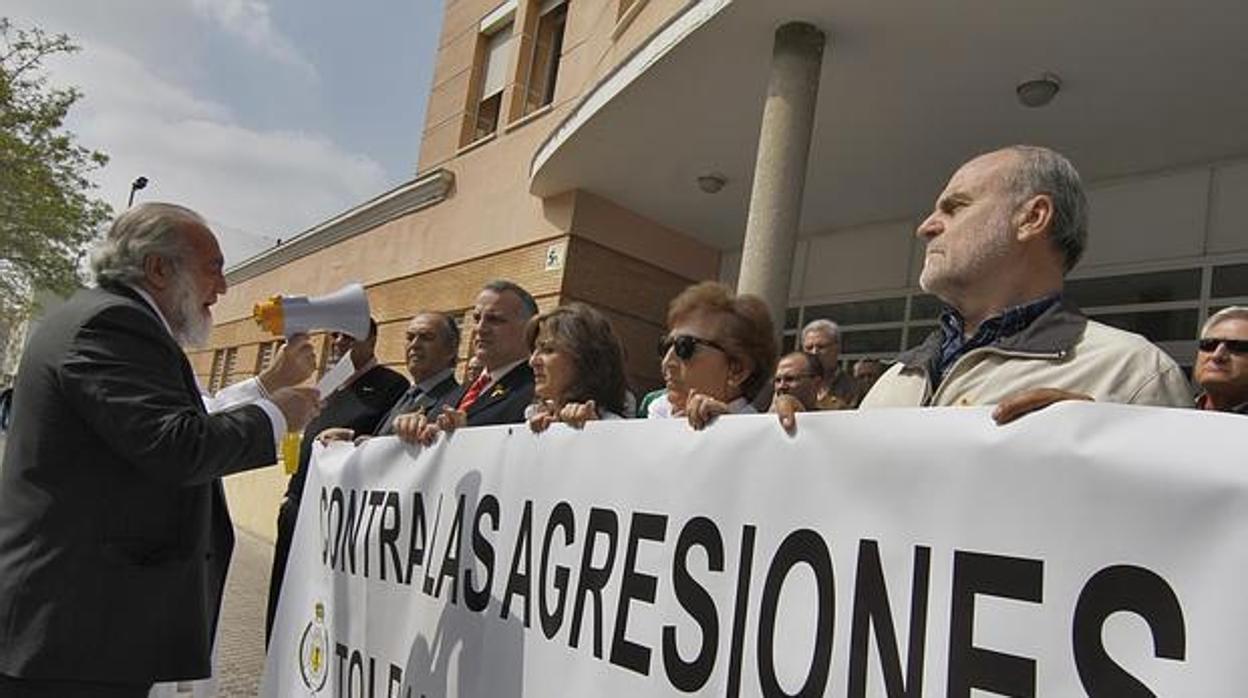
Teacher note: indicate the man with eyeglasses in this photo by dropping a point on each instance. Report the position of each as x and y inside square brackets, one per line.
[799, 377]
[1222, 362]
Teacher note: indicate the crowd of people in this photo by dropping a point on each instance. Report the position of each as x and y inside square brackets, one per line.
[114, 459]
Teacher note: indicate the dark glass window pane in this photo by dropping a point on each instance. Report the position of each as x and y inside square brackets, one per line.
[860, 313]
[925, 307]
[1230, 281]
[918, 333]
[1154, 287]
[790, 319]
[788, 343]
[868, 341]
[1158, 326]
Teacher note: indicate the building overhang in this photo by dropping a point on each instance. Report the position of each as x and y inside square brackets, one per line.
[422, 192]
[908, 91]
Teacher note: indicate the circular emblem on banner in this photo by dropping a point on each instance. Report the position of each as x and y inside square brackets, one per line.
[314, 651]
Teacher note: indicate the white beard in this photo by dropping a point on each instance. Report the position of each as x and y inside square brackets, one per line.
[190, 323]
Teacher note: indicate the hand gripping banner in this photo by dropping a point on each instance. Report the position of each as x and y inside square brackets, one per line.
[1085, 550]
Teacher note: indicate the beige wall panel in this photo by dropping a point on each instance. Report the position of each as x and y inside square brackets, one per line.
[447, 100]
[585, 18]
[463, 17]
[237, 332]
[438, 144]
[454, 289]
[245, 364]
[391, 344]
[451, 289]
[607, 278]
[584, 49]
[614, 226]
[490, 209]
[604, 53]
[455, 57]
[201, 361]
[254, 497]
[1147, 219]
[861, 259]
[1228, 226]
[560, 209]
[576, 68]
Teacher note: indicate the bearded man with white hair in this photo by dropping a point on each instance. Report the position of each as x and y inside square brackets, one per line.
[114, 533]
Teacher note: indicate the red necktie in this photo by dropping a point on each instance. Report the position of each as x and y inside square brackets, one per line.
[474, 391]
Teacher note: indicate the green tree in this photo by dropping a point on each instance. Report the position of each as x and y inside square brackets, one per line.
[47, 214]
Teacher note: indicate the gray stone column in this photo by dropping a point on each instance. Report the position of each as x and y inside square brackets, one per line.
[780, 171]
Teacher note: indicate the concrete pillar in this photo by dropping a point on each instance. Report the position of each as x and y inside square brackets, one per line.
[780, 171]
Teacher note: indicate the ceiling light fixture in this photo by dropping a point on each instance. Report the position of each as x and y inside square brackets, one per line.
[1038, 92]
[712, 182]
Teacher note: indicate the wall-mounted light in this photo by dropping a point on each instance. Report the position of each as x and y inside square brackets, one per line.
[1038, 92]
[711, 182]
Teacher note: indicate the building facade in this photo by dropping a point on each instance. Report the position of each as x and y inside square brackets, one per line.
[614, 151]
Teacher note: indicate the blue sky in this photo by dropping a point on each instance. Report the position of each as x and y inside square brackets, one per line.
[266, 116]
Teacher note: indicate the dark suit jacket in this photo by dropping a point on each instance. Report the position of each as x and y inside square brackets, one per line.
[431, 401]
[504, 402]
[357, 406]
[114, 533]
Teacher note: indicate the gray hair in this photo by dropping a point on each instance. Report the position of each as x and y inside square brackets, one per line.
[1044, 171]
[501, 286]
[150, 228]
[825, 326]
[1235, 312]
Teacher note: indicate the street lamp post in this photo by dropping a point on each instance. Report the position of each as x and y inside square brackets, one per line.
[137, 184]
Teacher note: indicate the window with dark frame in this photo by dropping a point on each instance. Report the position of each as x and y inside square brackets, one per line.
[543, 72]
[488, 105]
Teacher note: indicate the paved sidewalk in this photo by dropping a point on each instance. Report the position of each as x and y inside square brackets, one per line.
[240, 655]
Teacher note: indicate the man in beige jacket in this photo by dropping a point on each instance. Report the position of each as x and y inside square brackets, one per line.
[1006, 230]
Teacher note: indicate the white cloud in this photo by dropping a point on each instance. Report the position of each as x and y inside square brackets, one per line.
[253, 185]
[251, 21]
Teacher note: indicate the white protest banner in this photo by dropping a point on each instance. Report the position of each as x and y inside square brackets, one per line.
[1084, 550]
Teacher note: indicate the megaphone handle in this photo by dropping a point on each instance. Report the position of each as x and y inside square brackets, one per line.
[291, 442]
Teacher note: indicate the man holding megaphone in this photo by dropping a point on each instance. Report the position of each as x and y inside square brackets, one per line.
[113, 471]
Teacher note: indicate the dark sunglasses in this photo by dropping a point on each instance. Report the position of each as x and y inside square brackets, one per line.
[1235, 346]
[685, 346]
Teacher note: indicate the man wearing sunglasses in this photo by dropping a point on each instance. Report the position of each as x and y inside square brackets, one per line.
[1222, 362]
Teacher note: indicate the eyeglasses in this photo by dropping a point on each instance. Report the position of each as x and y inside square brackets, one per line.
[685, 346]
[1235, 346]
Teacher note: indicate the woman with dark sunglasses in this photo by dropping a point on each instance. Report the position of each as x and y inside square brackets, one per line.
[717, 354]
[578, 367]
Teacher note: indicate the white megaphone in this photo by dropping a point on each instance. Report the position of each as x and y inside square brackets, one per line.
[344, 310]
